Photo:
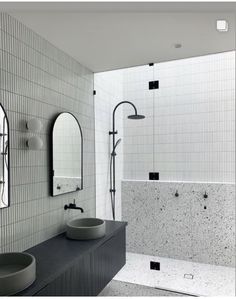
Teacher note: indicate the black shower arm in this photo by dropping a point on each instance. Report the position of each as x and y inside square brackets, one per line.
[114, 111]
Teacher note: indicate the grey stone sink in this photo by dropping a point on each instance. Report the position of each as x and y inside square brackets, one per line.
[17, 272]
[85, 229]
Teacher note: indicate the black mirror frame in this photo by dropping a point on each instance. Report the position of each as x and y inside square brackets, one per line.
[51, 156]
[8, 160]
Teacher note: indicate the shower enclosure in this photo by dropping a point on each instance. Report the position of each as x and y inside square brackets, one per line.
[181, 228]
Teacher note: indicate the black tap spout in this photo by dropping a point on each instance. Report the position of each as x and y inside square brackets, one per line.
[72, 206]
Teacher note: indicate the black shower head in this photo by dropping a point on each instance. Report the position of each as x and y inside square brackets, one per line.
[114, 149]
[136, 116]
[117, 142]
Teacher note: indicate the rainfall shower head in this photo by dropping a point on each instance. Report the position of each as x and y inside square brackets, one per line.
[136, 116]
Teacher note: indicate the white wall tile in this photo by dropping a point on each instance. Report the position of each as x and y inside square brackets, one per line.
[190, 119]
[39, 80]
[109, 92]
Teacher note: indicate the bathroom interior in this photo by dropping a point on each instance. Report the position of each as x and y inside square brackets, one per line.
[117, 138]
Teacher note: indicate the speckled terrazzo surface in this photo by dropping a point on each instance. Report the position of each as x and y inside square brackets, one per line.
[208, 280]
[124, 289]
[187, 227]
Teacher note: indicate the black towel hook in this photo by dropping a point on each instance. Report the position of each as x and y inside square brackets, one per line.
[176, 193]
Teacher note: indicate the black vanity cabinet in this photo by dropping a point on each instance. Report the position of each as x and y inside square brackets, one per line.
[78, 268]
[106, 261]
[73, 282]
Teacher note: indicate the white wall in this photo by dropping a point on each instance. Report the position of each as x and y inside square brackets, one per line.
[39, 80]
[189, 130]
[108, 86]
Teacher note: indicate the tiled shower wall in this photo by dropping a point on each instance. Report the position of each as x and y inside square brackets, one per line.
[188, 227]
[109, 92]
[189, 130]
[38, 80]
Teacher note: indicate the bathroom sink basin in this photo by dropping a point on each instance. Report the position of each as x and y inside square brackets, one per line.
[17, 272]
[85, 229]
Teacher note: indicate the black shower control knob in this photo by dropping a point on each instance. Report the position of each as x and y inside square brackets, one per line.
[205, 195]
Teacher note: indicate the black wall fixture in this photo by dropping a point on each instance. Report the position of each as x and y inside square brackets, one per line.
[155, 265]
[154, 84]
[154, 176]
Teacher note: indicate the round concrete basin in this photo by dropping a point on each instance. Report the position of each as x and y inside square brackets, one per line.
[17, 272]
[85, 229]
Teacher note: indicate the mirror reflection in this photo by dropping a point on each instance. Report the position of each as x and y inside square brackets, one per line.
[4, 160]
[67, 146]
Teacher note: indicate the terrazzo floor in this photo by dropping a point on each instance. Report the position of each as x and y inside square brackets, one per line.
[124, 289]
[208, 280]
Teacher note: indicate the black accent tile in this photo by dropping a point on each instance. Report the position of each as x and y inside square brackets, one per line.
[155, 265]
[154, 176]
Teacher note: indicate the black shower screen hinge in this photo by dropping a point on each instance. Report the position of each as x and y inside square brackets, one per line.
[94, 92]
[155, 266]
[153, 84]
[151, 64]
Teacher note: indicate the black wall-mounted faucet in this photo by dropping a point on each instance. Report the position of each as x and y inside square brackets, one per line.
[73, 206]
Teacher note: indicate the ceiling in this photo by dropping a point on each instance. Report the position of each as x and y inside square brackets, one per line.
[106, 36]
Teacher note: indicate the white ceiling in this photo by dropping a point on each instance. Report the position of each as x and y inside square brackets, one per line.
[106, 36]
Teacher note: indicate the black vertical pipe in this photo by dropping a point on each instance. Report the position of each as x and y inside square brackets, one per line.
[113, 183]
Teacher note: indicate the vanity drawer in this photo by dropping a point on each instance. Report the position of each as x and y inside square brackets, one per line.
[92, 272]
[107, 260]
[76, 281]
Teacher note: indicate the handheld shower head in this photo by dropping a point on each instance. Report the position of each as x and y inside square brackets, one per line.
[117, 142]
[136, 116]
[113, 151]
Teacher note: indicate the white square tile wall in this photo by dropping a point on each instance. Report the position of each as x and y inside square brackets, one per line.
[109, 92]
[38, 80]
[189, 130]
[138, 134]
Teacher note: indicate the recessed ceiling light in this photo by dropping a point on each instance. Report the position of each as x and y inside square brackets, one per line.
[222, 25]
[177, 45]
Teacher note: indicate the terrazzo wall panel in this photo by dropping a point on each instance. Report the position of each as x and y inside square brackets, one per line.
[188, 227]
[109, 92]
[38, 80]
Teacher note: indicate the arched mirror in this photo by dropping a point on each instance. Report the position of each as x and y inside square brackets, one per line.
[4, 160]
[67, 155]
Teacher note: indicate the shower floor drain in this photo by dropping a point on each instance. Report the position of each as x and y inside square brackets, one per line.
[188, 276]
